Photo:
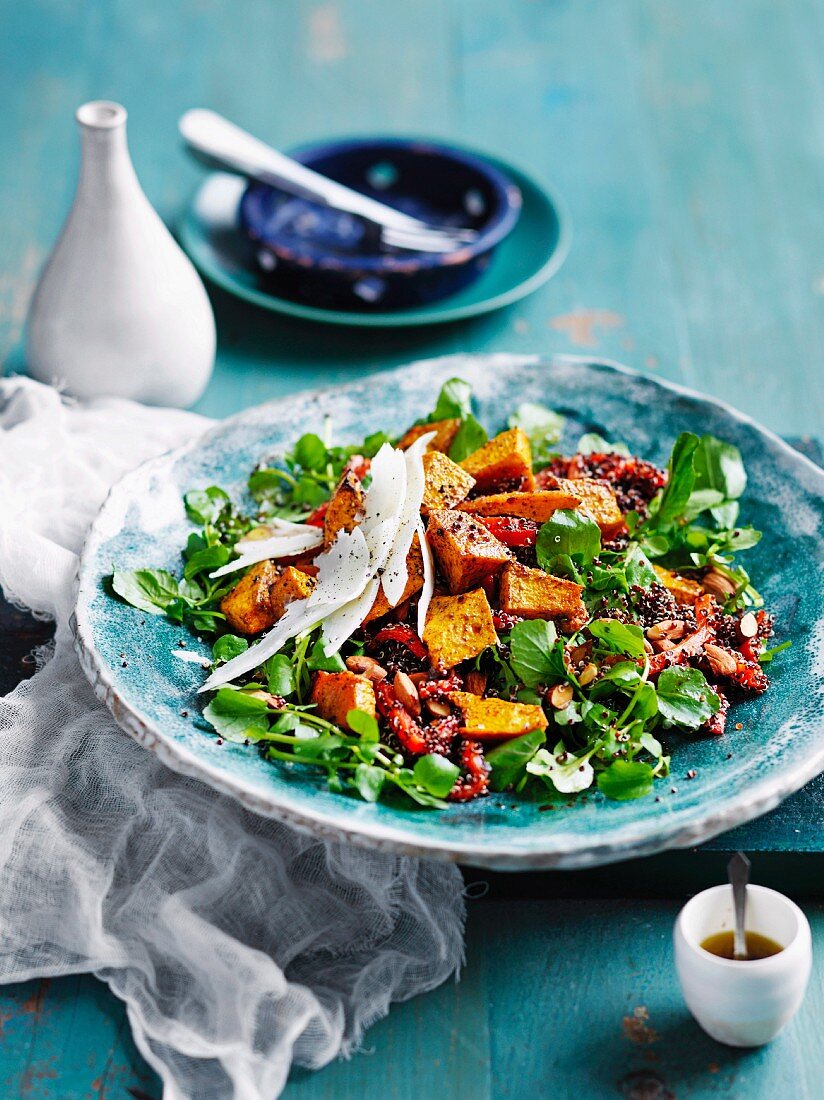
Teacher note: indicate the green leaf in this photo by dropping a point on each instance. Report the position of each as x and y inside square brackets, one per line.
[373, 443]
[237, 716]
[369, 781]
[470, 436]
[569, 533]
[626, 779]
[685, 698]
[151, 590]
[206, 560]
[592, 443]
[719, 467]
[542, 426]
[562, 769]
[768, 654]
[363, 724]
[228, 646]
[672, 501]
[619, 637]
[532, 645]
[508, 761]
[435, 774]
[454, 401]
[317, 661]
[268, 480]
[310, 452]
[638, 568]
[203, 506]
[280, 675]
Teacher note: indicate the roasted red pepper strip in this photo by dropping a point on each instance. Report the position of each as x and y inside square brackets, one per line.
[400, 632]
[692, 645]
[476, 780]
[512, 531]
[398, 719]
[316, 518]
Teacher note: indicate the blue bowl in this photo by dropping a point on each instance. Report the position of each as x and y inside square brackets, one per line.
[310, 253]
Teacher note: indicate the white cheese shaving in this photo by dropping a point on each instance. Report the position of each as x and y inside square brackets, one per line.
[272, 528]
[396, 573]
[348, 558]
[344, 621]
[279, 546]
[428, 578]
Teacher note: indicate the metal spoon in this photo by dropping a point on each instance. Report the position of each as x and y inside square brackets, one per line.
[738, 871]
[219, 142]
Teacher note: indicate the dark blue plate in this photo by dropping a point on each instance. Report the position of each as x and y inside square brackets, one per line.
[311, 253]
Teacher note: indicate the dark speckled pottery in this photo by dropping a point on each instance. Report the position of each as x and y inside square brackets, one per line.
[327, 258]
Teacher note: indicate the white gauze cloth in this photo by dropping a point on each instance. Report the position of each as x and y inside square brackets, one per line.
[239, 945]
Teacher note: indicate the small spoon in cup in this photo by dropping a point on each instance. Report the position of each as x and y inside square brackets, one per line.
[738, 871]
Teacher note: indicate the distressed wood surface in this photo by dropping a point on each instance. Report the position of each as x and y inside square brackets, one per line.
[687, 140]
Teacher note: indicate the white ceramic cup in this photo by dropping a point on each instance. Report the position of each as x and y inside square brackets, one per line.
[744, 1003]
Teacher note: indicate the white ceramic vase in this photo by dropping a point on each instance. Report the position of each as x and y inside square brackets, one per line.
[119, 309]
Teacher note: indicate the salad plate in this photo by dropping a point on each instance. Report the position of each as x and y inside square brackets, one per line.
[149, 669]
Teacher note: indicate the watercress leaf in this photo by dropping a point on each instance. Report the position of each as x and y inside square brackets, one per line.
[310, 452]
[363, 724]
[625, 674]
[638, 568]
[454, 401]
[373, 443]
[206, 560]
[369, 781]
[619, 637]
[280, 675]
[702, 500]
[151, 590]
[669, 505]
[651, 744]
[725, 515]
[768, 654]
[592, 443]
[562, 770]
[404, 779]
[542, 426]
[228, 646]
[646, 703]
[470, 436]
[568, 532]
[237, 716]
[508, 761]
[267, 480]
[317, 661]
[718, 466]
[309, 492]
[626, 779]
[570, 715]
[203, 506]
[435, 774]
[531, 645]
[685, 698]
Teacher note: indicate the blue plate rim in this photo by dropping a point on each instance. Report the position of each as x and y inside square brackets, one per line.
[415, 317]
[724, 814]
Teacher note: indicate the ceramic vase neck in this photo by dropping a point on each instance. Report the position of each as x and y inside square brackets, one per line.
[106, 166]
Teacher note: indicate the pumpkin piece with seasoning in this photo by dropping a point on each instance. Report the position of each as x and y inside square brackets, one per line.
[446, 484]
[445, 432]
[496, 719]
[503, 460]
[534, 594]
[684, 590]
[414, 583]
[345, 507]
[458, 628]
[598, 501]
[292, 584]
[336, 693]
[248, 608]
[466, 552]
[538, 505]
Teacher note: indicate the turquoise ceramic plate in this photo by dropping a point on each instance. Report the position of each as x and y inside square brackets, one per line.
[778, 749]
[522, 262]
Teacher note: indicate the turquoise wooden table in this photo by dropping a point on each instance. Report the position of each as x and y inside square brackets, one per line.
[687, 141]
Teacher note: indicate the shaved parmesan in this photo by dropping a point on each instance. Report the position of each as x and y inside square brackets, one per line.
[279, 546]
[428, 578]
[275, 527]
[396, 573]
[344, 621]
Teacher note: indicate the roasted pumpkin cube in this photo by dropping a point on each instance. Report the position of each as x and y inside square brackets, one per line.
[538, 505]
[345, 507]
[598, 501]
[445, 432]
[684, 590]
[291, 585]
[506, 458]
[247, 607]
[414, 583]
[458, 628]
[534, 594]
[336, 693]
[446, 483]
[466, 552]
[496, 719]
